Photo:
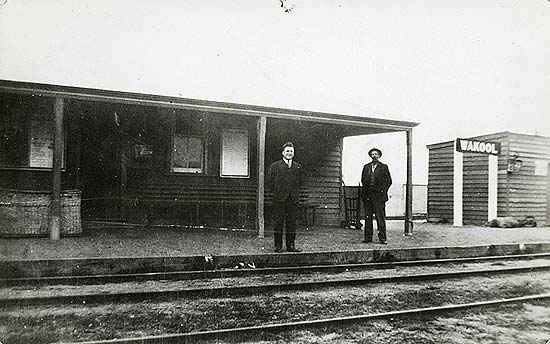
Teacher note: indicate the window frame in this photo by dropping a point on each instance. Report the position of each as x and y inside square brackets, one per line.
[189, 170]
[200, 134]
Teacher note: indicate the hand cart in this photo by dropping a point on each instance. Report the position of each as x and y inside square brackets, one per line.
[352, 207]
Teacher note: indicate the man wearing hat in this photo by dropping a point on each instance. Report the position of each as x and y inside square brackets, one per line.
[376, 181]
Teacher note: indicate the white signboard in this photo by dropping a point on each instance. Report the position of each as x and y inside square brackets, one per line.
[41, 144]
[480, 147]
[234, 154]
[541, 167]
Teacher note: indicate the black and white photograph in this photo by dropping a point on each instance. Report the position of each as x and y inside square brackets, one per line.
[274, 171]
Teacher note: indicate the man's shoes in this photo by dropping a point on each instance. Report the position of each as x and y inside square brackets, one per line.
[292, 249]
[278, 250]
[366, 241]
[384, 242]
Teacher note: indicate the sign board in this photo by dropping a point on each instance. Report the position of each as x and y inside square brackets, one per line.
[234, 154]
[143, 151]
[479, 147]
[41, 144]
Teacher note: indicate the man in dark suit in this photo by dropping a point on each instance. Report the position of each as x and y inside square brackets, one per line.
[284, 178]
[376, 181]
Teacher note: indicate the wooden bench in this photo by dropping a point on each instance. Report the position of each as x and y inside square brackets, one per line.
[198, 195]
[304, 205]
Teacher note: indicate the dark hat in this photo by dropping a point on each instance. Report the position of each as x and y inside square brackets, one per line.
[377, 150]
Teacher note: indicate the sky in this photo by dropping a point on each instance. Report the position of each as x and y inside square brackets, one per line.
[459, 68]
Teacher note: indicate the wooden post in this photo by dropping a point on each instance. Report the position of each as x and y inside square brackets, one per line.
[123, 161]
[458, 187]
[408, 192]
[260, 214]
[342, 212]
[55, 210]
[492, 203]
[78, 143]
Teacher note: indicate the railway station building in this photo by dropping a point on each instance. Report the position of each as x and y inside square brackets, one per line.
[71, 153]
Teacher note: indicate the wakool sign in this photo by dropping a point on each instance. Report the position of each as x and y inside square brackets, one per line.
[481, 147]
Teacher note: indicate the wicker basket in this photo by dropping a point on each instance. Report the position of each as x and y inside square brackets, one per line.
[27, 213]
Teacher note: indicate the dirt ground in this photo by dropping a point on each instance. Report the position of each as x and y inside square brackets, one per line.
[135, 241]
[257, 280]
[43, 324]
[512, 324]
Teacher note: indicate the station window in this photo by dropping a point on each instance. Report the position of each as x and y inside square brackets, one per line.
[188, 145]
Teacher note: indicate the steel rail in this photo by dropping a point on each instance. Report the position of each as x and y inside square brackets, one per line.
[227, 273]
[244, 332]
[219, 292]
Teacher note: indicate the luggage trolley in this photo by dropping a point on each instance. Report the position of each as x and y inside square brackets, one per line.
[352, 207]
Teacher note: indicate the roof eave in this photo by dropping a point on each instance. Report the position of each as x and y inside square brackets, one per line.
[199, 105]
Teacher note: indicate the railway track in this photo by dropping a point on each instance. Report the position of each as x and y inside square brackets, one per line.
[245, 332]
[228, 273]
[341, 301]
[93, 297]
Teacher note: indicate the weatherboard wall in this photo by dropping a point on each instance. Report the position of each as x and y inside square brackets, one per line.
[440, 183]
[523, 192]
[528, 188]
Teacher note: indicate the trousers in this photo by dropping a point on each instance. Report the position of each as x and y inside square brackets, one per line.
[378, 209]
[284, 214]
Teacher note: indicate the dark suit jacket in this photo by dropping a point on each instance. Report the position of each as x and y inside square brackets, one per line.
[284, 182]
[382, 182]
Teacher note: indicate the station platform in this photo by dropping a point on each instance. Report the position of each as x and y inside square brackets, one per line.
[124, 248]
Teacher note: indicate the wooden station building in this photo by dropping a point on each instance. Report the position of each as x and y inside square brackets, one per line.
[146, 158]
[471, 181]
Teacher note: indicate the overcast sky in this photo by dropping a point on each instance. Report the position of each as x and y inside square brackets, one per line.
[460, 68]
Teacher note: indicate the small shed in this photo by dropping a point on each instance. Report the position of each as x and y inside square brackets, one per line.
[473, 180]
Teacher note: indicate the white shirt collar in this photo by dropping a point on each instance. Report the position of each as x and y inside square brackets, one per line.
[288, 162]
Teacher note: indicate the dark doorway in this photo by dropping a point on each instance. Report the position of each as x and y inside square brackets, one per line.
[99, 162]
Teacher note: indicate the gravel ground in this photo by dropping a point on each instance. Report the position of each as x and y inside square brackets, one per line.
[512, 324]
[42, 324]
[277, 279]
[134, 241]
